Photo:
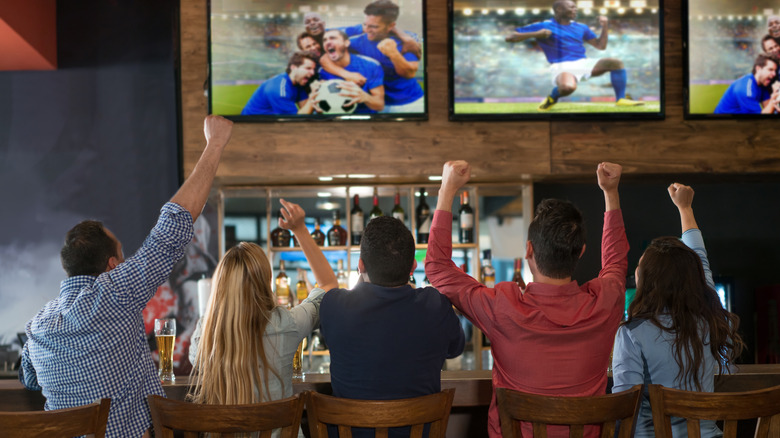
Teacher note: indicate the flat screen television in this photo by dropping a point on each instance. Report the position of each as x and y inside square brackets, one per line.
[728, 43]
[279, 60]
[544, 59]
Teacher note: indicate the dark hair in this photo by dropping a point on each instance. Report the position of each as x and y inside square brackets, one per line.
[385, 9]
[297, 59]
[671, 281]
[762, 59]
[557, 234]
[766, 38]
[87, 249]
[557, 4]
[387, 251]
[303, 35]
[343, 34]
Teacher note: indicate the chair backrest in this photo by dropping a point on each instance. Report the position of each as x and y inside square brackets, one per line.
[191, 419]
[515, 407]
[379, 415]
[762, 404]
[82, 420]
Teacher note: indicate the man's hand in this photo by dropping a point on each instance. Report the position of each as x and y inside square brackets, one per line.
[681, 195]
[355, 93]
[543, 34]
[455, 175]
[603, 21]
[388, 47]
[609, 175]
[355, 78]
[292, 218]
[217, 130]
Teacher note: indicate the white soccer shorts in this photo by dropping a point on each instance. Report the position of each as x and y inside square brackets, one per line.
[581, 69]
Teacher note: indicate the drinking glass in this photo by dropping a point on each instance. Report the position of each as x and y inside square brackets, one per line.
[165, 334]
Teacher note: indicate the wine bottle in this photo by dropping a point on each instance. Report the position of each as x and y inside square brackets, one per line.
[341, 276]
[280, 238]
[357, 221]
[398, 211]
[282, 286]
[337, 235]
[424, 219]
[488, 274]
[376, 211]
[466, 219]
[317, 234]
[518, 275]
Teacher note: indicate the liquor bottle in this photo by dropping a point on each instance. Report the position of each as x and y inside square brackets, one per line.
[280, 238]
[488, 274]
[518, 276]
[376, 211]
[301, 291]
[357, 221]
[282, 286]
[337, 235]
[398, 211]
[424, 219]
[341, 276]
[317, 234]
[466, 219]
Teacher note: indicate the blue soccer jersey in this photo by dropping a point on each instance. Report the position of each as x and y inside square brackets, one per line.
[277, 95]
[744, 96]
[566, 41]
[369, 68]
[398, 90]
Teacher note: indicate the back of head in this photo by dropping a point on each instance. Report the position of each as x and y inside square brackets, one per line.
[557, 234]
[231, 348]
[387, 251]
[383, 8]
[87, 249]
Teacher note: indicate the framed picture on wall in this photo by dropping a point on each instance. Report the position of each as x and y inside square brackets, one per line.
[280, 60]
[556, 59]
[731, 58]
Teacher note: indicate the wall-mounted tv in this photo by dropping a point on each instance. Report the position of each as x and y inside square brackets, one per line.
[279, 60]
[731, 58]
[546, 59]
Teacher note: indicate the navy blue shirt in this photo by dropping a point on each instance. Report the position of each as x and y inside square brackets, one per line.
[398, 90]
[277, 95]
[566, 41]
[744, 96]
[388, 343]
[369, 68]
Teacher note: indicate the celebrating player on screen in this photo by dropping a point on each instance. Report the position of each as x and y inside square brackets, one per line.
[752, 94]
[284, 93]
[561, 38]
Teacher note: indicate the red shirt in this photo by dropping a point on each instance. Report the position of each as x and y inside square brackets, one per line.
[552, 340]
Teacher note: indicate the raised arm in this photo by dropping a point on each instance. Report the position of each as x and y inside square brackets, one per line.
[454, 176]
[609, 178]
[601, 42]
[517, 37]
[293, 219]
[193, 193]
[408, 43]
[682, 196]
[404, 67]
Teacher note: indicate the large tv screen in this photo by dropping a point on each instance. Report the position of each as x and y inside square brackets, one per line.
[731, 58]
[275, 60]
[556, 59]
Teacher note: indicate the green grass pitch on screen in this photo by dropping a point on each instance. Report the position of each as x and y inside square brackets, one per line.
[561, 107]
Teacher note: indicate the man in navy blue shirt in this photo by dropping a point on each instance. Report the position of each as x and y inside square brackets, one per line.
[371, 96]
[561, 38]
[751, 94]
[284, 93]
[388, 340]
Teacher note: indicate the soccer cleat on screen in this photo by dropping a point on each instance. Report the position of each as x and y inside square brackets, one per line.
[547, 103]
[628, 102]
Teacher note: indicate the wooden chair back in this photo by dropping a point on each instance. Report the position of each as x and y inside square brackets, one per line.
[380, 415]
[730, 407]
[83, 420]
[608, 411]
[192, 419]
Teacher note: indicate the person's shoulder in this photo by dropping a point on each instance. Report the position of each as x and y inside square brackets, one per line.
[367, 61]
[333, 296]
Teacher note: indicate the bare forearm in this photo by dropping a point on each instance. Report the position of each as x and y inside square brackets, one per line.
[687, 220]
[375, 101]
[403, 67]
[319, 265]
[446, 198]
[611, 200]
[517, 37]
[603, 38]
[192, 195]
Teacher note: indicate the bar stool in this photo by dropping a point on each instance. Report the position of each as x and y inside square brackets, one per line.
[82, 420]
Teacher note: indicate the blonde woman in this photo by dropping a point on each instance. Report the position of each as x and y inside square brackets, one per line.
[243, 347]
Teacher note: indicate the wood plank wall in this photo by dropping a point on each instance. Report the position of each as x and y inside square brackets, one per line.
[295, 153]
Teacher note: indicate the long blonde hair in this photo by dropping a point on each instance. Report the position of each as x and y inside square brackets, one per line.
[231, 356]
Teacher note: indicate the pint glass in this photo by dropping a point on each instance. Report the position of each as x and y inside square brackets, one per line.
[165, 334]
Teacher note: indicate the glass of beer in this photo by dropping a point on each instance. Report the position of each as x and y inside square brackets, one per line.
[165, 334]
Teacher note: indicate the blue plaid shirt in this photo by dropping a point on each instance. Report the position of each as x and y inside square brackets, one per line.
[90, 342]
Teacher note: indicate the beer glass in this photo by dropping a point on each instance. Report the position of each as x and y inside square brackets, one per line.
[165, 334]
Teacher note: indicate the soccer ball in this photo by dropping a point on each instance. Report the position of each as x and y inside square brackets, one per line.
[330, 101]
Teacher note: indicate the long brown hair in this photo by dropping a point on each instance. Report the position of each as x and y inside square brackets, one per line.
[230, 355]
[671, 281]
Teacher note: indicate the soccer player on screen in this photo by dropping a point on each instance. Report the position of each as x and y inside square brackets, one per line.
[752, 94]
[284, 93]
[561, 38]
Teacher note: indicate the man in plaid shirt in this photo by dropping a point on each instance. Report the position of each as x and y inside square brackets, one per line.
[89, 342]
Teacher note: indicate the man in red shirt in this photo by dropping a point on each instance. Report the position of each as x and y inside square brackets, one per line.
[554, 337]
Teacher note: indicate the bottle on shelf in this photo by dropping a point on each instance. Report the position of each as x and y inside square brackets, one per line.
[337, 235]
[356, 219]
[317, 234]
[341, 276]
[466, 219]
[412, 280]
[376, 211]
[301, 290]
[282, 286]
[488, 274]
[424, 219]
[518, 275]
[398, 211]
[280, 238]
